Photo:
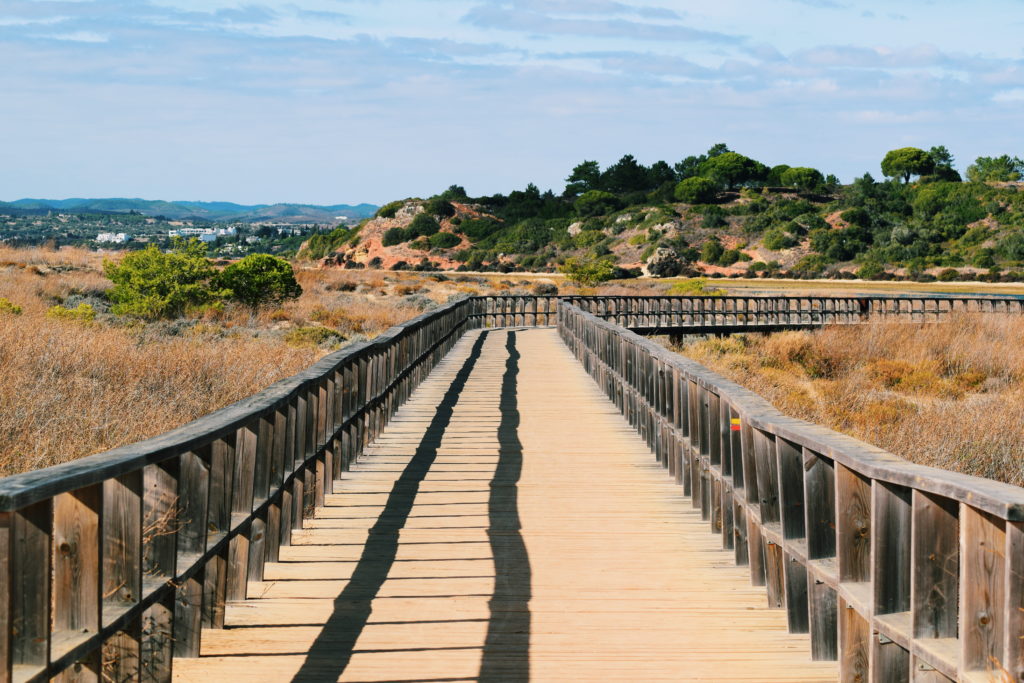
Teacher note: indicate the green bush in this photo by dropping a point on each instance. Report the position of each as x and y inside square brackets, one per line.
[258, 279]
[393, 236]
[83, 313]
[587, 270]
[423, 225]
[389, 210]
[711, 251]
[588, 238]
[870, 270]
[596, 203]
[439, 206]
[8, 306]
[444, 240]
[696, 190]
[777, 238]
[151, 284]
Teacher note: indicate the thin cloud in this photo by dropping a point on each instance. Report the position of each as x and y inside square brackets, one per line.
[529, 21]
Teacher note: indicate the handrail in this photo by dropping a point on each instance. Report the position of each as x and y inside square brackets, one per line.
[890, 566]
[112, 564]
[680, 314]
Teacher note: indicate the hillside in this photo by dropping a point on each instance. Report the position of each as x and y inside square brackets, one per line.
[210, 211]
[720, 214]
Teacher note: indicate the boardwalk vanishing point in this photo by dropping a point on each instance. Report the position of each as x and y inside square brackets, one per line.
[508, 525]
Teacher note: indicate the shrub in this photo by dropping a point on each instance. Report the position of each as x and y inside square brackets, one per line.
[588, 238]
[587, 270]
[439, 206]
[949, 275]
[315, 335]
[444, 240]
[711, 251]
[596, 203]
[83, 313]
[7, 306]
[423, 225]
[545, 289]
[696, 190]
[258, 279]
[777, 238]
[152, 284]
[871, 271]
[393, 236]
[389, 210]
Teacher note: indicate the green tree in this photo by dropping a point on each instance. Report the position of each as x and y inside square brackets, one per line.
[774, 177]
[802, 177]
[696, 190]
[584, 178]
[906, 162]
[995, 169]
[152, 284]
[596, 203]
[625, 175]
[942, 161]
[587, 270]
[259, 279]
[731, 169]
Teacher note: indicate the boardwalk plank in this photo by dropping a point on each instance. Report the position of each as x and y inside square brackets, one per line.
[606, 571]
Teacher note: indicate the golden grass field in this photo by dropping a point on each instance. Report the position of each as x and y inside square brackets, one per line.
[72, 389]
[947, 395]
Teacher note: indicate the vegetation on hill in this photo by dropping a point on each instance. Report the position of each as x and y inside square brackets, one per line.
[720, 213]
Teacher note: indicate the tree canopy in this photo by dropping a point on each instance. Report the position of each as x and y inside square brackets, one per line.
[995, 169]
[906, 162]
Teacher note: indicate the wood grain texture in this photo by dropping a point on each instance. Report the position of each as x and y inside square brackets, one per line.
[608, 572]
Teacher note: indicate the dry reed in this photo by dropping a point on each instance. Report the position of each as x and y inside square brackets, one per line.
[947, 395]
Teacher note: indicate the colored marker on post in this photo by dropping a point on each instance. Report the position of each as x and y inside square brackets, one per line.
[734, 424]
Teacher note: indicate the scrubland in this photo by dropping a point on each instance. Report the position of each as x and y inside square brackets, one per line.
[946, 395]
[72, 387]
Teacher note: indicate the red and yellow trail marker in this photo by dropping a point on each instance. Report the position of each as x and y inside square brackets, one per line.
[734, 424]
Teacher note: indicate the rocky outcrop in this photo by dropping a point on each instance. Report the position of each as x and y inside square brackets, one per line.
[664, 262]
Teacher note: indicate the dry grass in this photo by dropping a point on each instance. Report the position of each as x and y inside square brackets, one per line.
[72, 388]
[949, 395]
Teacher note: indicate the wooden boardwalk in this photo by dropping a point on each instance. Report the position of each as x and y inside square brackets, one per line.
[509, 525]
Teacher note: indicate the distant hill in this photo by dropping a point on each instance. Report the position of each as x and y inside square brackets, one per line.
[211, 211]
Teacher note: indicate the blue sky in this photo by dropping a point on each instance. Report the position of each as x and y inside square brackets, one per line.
[332, 101]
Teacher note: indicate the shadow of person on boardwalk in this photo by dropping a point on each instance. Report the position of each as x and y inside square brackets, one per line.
[506, 648]
[506, 654]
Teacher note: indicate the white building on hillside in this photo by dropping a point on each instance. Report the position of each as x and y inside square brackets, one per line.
[113, 237]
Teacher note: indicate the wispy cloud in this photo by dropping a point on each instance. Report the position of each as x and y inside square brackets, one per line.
[523, 18]
[362, 99]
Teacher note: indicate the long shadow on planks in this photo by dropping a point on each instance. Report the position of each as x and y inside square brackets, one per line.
[332, 650]
[506, 654]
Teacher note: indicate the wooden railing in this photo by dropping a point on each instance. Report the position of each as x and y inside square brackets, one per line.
[898, 570]
[110, 566]
[738, 313]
